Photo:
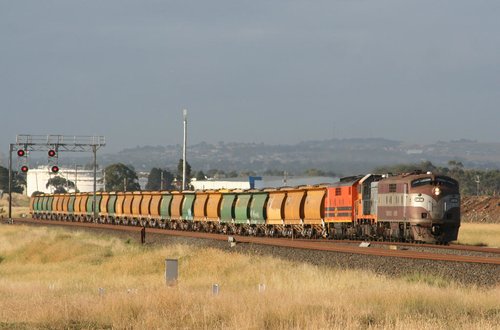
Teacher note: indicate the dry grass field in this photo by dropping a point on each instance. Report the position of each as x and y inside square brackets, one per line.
[482, 234]
[50, 278]
[20, 205]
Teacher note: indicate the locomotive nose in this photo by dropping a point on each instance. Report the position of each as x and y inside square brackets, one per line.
[436, 230]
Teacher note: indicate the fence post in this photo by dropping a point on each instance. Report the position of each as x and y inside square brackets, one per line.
[171, 271]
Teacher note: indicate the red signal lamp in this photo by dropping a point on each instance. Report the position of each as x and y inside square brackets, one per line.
[21, 152]
[54, 169]
[24, 168]
[52, 153]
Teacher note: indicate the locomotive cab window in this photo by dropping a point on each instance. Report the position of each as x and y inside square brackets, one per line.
[338, 191]
[443, 181]
[438, 181]
[421, 182]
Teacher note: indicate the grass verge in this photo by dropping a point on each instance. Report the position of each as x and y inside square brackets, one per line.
[479, 234]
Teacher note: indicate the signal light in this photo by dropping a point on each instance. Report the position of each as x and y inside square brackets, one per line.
[24, 168]
[21, 152]
[54, 169]
[52, 153]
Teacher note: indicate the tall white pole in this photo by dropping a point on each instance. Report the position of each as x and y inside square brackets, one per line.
[94, 198]
[184, 112]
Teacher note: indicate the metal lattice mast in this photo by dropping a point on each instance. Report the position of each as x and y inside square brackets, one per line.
[59, 143]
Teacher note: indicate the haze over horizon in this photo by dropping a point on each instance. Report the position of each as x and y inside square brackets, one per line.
[277, 72]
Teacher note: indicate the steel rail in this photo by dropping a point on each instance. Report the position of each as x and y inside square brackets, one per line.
[471, 248]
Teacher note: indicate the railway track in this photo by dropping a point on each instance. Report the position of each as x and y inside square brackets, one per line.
[452, 247]
[333, 246]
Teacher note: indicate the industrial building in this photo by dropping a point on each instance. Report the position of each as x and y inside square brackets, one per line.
[257, 182]
[37, 178]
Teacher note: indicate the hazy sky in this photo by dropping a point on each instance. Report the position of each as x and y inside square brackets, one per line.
[250, 71]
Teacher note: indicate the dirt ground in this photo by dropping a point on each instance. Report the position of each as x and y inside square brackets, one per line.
[481, 209]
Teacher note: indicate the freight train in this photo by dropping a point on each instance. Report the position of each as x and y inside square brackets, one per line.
[413, 207]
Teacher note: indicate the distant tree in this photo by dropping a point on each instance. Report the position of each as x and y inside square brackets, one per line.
[455, 164]
[314, 172]
[36, 193]
[215, 173]
[220, 174]
[179, 170]
[200, 175]
[120, 177]
[18, 180]
[424, 166]
[273, 172]
[60, 184]
[232, 174]
[247, 173]
[155, 178]
[427, 166]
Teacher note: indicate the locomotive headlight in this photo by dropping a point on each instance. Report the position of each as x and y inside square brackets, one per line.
[437, 191]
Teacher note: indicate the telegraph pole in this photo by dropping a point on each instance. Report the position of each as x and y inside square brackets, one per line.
[184, 112]
[478, 181]
[94, 209]
[11, 147]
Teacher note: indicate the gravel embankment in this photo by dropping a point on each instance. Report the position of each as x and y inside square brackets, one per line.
[435, 249]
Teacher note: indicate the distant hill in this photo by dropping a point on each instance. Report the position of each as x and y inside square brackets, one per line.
[341, 156]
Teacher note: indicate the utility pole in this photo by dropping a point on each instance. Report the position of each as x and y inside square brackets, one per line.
[184, 112]
[477, 181]
[94, 201]
[11, 147]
